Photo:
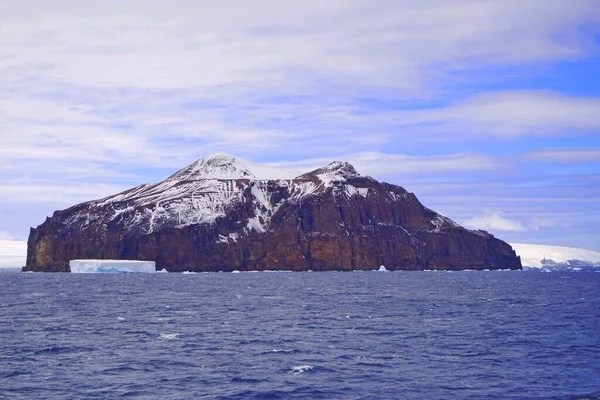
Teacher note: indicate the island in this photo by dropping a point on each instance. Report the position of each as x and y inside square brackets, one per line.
[222, 213]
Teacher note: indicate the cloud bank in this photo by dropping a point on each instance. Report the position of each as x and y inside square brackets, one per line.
[473, 105]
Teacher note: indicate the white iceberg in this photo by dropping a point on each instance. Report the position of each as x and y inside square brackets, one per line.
[111, 266]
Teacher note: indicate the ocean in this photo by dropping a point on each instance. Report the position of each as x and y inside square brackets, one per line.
[328, 335]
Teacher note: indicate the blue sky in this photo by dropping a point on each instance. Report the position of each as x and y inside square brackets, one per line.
[488, 111]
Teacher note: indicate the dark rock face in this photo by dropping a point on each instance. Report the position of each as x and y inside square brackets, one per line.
[215, 215]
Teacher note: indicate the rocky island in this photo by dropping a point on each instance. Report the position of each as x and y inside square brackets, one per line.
[223, 214]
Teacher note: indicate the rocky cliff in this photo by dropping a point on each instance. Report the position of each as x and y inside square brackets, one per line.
[224, 214]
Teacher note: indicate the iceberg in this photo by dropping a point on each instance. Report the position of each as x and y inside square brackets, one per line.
[111, 266]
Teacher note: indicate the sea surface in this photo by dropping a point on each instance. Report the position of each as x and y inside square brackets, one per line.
[361, 335]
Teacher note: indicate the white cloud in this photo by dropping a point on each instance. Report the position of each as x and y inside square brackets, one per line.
[402, 43]
[543, 223]
[565, 155]
[494, 222]
[524, 112]
[65, 194]
[142, 83]
[381, 165]
[105, 93]
[6, 236]
[506, 114]
[12, 253]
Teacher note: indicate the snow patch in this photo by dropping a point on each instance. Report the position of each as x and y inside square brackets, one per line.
[355, 191]
[255, 224]
[223, 239]
[396, 196]
[299, 190]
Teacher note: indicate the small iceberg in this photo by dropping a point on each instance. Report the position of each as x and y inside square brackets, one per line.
[111, 266]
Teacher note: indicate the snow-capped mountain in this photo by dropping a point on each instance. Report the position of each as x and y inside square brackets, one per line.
[12, 253]
[207, 189]
[543, 256]
[224, 213]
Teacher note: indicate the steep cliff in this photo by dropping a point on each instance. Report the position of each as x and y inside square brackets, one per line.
[223, 214]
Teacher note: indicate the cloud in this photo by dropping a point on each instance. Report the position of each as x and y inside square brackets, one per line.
[494, 222]
[98, 98]
[12, 253]
[544, 223]
[202, 43]
[382, 165]
[508, 114]
[64, 194]
[565, 155]
[516, 113]
[157, 84]
[6, 236]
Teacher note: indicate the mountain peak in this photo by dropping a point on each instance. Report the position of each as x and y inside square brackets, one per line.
[214, 166]
[219, 158]
[337, 171]
[227, 166]
[342, 168]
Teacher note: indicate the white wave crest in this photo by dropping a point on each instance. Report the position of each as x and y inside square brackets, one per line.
[301, 369]
[169, 336]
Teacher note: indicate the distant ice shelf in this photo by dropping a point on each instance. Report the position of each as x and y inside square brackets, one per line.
[111, 266]
[543, 256]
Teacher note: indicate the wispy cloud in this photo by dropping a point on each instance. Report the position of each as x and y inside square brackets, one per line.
[6, 236]
[516, 113]
[433, 95]
[494, 222]
[565, 155]
[384, 165]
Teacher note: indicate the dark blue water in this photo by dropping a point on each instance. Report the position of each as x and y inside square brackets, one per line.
[367, 335]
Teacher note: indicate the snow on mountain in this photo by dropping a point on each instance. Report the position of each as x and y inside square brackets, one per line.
[206, 189]
[217, 186]
[12, 253]
[539, 256]
[225, 166]
[337, 171]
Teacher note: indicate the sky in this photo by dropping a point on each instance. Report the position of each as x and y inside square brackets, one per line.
[489, 111]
